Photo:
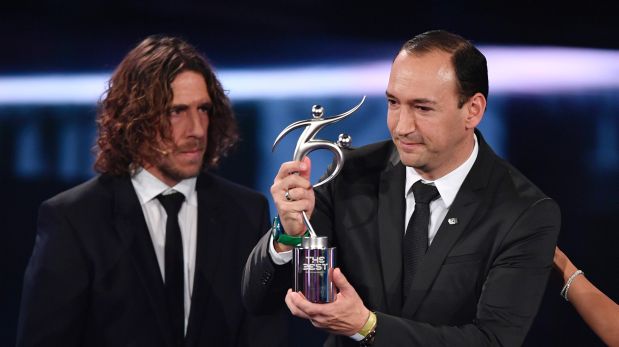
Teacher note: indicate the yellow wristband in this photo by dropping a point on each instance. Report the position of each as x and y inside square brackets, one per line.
[369, 325]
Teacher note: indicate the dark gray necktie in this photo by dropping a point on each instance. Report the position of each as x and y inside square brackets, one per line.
[416, 239]
[174, 265]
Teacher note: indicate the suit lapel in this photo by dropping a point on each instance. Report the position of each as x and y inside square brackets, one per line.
[464, 208]
[444, 240]
[390, 231]
[132, 228]
[213, 230]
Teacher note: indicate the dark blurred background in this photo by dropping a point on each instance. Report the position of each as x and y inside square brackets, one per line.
[564, 137]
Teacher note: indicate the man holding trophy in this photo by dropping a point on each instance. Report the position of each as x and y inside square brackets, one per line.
[439, 241]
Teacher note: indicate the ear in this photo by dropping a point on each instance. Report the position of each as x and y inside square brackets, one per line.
[475, 108]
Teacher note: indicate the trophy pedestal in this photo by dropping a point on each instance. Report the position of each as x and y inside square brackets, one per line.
[313, 266]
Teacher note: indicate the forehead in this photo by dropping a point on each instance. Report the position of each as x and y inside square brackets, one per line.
[188, 86]
[427, 75]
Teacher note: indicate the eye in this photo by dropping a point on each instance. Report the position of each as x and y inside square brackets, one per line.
[174, 113]
[391, 102]
[424, 108]
[206, 108]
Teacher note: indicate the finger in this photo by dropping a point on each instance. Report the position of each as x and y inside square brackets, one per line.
[306, 171]
[294, 194]
[283, 196]
[290, 167]
[341, 282]
[312, 310]
[295, 181]
[288, 195]
[300, 186]
[297, 206]
[280, 186]
[299, 193]
[288, 209]
[294, 309]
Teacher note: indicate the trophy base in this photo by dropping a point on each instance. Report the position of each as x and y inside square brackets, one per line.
[314, 273]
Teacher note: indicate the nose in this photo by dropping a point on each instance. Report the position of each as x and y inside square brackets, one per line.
[406, 122]
[197, 123]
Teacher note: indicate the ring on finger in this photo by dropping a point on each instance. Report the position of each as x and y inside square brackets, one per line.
[287, 196]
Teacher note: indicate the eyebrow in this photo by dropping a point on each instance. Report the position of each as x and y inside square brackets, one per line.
[180, 107]
[414, 101]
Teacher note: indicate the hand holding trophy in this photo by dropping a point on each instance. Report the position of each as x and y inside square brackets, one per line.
[313, 260]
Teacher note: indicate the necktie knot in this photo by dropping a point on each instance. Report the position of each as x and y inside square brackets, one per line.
[424, 193]
[172, 202]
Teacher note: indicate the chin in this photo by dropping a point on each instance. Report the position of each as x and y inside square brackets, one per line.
[408, 159]
[193, 172]
[185, 172]
[412, 162]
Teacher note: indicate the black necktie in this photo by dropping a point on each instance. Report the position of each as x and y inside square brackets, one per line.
[416, 238]
[174, 265]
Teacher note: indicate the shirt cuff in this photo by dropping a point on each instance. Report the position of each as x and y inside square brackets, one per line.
[357, 337]
[279, 258]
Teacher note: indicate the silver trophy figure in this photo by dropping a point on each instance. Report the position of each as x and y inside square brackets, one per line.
[314, 260]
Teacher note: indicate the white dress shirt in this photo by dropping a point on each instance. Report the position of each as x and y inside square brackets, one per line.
[447, 186]
[147, 187]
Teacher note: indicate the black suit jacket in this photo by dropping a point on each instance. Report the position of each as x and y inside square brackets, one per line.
[479, 284]
[93, 278]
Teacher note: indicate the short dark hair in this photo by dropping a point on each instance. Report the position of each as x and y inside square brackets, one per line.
[469, 63]
[133, 114]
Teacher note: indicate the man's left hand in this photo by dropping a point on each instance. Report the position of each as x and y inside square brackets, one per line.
[345, 316]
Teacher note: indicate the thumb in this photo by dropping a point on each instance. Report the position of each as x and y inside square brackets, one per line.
[341, 282]
[306, 168]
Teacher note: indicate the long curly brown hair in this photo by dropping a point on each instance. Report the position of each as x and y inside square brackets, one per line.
[133, 119]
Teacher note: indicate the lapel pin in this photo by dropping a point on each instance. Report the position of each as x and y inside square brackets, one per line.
[452, 221]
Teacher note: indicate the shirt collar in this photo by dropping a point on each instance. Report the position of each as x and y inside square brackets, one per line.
[148, 186]
[448, 185]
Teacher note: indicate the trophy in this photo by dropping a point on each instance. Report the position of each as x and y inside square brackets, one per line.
[313, 259]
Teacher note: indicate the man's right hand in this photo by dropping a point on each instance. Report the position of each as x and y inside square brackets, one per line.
[293, 177]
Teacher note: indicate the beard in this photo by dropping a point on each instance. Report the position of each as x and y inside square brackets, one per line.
[175, 167]
[178, 174]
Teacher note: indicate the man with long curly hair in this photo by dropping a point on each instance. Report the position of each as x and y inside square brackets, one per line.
[134, 256]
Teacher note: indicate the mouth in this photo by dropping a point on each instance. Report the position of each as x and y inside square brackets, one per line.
[192, 154]
[192, 150]
[407, 145]
[191, 147]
